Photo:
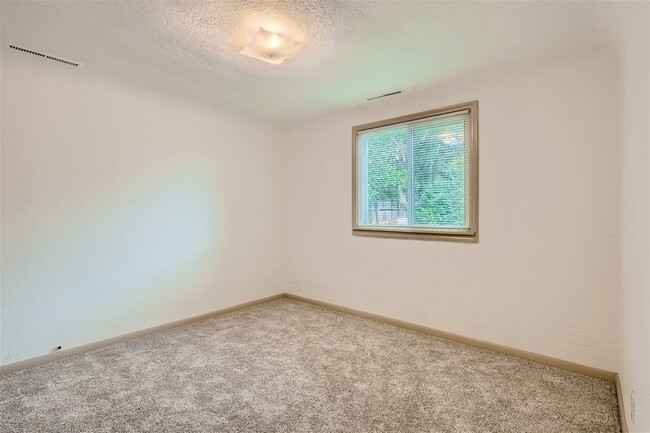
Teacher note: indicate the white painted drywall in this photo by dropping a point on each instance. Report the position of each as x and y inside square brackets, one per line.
[544, 276]
[123, 209]
[634, 362]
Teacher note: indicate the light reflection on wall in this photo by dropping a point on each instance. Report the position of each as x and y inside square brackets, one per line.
[124, 248]
[124, 209]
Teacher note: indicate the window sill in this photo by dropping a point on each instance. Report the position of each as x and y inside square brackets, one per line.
[406, 234]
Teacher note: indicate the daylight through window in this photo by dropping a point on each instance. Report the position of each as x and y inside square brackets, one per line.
[417, 175]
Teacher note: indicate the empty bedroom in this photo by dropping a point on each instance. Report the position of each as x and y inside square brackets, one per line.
[325, 216]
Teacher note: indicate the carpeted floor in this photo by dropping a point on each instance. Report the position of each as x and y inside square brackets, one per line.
[287, 366]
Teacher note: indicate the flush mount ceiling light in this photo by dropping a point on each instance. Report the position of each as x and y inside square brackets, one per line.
[270, 47]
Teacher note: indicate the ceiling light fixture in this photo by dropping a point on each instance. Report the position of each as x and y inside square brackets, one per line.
[270, 47]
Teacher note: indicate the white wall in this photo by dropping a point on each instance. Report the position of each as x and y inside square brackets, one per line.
[123, 209]
[634, 362]
[545, 274]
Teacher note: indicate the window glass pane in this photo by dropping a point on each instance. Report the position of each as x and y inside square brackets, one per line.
[415, 174]
[439, 184]
[385, 177]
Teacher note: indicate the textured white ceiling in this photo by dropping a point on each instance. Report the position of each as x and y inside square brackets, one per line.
[352, 50]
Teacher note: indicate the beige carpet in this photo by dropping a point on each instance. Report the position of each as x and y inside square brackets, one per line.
[286, 366]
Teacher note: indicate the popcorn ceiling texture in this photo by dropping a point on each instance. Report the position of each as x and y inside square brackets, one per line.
[213, 33]
[208, 35]
[352, 49]
[286, 366]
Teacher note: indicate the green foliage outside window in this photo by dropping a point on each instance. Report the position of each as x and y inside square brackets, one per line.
[432, 157]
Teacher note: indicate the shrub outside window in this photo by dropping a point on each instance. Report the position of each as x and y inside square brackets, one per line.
[417, 175]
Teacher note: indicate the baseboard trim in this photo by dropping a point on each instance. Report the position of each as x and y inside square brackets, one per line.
[621, 406]
[536, 357]
[65, 353]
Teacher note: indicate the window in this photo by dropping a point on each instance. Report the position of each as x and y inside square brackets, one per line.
[417, 176]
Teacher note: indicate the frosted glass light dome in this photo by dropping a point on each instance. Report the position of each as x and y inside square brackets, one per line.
[270, 47]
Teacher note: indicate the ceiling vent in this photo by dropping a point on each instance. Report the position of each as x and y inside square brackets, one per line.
[36, 53]
[384, 95]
